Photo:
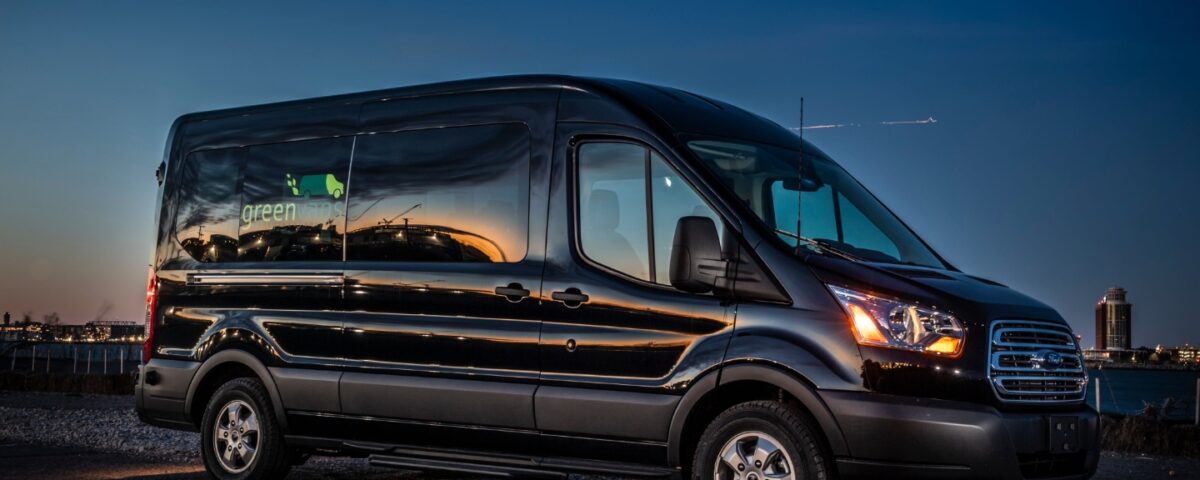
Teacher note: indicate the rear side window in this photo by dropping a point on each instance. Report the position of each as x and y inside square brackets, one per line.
[206, 222]
[441, 195]
[293, 201]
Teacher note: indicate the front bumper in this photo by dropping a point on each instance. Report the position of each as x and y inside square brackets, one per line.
[906, 437]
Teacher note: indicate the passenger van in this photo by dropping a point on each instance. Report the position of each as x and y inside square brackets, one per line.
[542, 275]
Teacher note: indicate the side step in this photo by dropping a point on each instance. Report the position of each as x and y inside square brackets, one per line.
[499, 465]
[382, 460]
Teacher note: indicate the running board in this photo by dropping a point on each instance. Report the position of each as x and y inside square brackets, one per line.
[465, 466]
[501, 466]
[478, 463]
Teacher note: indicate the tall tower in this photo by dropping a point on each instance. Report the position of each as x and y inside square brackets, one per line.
[1114, 321]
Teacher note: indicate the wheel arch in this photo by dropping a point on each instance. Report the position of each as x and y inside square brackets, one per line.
[713, 385]
[219, 366]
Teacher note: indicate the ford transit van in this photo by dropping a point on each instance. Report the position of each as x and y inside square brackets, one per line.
[542, 275]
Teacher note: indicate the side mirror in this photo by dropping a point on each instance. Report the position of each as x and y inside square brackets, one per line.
[696, 263]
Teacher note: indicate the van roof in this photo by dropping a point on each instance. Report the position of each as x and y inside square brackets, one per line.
[657, 106]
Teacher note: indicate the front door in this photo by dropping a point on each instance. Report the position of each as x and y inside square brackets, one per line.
[619, 342]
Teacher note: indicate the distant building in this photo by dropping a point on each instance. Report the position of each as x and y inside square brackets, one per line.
[92, 332]
[1187, 354]
[1114, 321]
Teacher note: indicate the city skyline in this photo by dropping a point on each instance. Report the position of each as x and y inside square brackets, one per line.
[1060, 162]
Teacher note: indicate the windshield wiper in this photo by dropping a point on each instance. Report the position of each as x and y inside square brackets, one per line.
[820, 245]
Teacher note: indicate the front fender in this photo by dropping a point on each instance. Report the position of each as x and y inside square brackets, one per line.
[790, 381]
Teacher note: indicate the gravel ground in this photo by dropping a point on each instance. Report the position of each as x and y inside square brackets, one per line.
[53, 435]
[85, 430]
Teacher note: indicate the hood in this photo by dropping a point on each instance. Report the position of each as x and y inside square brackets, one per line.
[977, 300]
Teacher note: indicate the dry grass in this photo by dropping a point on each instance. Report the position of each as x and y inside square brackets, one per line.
[1138, 434]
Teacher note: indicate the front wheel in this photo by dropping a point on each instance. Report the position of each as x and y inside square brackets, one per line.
[240, 439]
[760, 440]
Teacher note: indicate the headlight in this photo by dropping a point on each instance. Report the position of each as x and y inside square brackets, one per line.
[884, 322]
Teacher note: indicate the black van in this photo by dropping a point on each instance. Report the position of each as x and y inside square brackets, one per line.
[535, 275]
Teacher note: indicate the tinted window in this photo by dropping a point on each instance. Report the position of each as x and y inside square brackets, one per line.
[831, 217]
[860, 231]
[612, 207]
[819, 218]
[673, 199]
[836, 210]
[442, 195]
[206, 220]
[613, 191]
[293, 201]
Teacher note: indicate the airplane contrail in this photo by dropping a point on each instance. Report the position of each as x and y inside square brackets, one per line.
[830, 125]
[927, 121]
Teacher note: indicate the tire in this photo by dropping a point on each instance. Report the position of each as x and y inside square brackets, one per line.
[768, 439]
[255, 426]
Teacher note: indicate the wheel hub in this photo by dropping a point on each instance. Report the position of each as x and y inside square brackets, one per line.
[236, 436]
[753, 456]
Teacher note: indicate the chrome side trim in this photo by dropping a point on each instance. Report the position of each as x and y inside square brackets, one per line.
[265, 279]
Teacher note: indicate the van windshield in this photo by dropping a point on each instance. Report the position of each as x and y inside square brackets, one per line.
[836, 214]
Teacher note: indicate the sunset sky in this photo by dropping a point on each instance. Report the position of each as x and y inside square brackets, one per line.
[1064, 160]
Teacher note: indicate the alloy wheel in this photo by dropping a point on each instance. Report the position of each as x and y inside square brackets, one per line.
[236, 436]
[753, 456]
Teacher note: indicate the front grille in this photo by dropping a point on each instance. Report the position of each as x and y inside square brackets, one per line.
[1035, 362]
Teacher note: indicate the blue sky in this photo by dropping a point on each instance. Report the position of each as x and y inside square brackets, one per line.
[1064, 159]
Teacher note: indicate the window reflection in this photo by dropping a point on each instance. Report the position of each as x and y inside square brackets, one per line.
[206, 220]
[293, 201]
[441, 195]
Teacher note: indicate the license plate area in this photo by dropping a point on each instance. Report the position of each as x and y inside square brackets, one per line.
[1064, 434]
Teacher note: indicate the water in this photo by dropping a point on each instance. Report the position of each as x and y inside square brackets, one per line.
[1124, 391]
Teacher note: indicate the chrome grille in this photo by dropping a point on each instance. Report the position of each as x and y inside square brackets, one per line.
[1035, 362]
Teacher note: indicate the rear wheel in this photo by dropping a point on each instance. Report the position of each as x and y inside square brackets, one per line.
[760, 440]
[240, 438]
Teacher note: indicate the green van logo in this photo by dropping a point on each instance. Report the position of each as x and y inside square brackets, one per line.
[316, 186]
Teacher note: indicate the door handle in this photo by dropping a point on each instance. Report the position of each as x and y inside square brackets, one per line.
[514, 292]
[570, 297]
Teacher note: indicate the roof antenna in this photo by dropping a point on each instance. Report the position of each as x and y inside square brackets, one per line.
[799, 175]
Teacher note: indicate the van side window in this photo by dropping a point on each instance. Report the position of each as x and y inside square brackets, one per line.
[613, 193]
[206, 220]
[612, 207]
[293, 201]
[673, 199]
[441, 195]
